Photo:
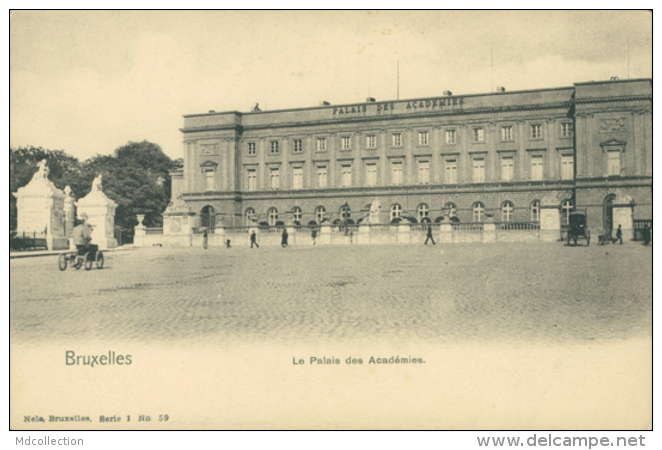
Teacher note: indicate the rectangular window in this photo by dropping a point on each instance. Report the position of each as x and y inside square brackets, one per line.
[536, 168]
[396, 140]
[396, 173]
[251, 148]
[567, 167]
[345, 142]
[613, 162]
[252, 180]
[275, 178]
[321, 144]
[371, 174]
[209, 179]
[507, 168]
[450, 137]
[536, 131]
[371, 141]
[346, 175]
[321, 176]
[451, 171]
[274, 147]
[423, 138]
[479, 135]
[479, 170]
[297, 177]
[507, 133]
[298, 146]
[424, 172]
[566, 130]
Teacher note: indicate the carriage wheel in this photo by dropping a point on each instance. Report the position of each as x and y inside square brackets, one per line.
[588, 238]
[575, 239]
[99, 260]
[77, 263]
[88, 261]
[62, 261]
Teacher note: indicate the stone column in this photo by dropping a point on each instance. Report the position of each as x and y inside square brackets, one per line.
[445, 233]
[325, 234]
[489, 233]
[550, 219]
[364, 234]
[404, 233]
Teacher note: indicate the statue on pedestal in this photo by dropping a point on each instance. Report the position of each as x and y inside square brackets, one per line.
[375, 208]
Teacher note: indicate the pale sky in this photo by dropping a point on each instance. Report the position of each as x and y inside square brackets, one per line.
[89, 82]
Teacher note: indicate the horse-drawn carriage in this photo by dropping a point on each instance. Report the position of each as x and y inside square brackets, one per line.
[577, 228]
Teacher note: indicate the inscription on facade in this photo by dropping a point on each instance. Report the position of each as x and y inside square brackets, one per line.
[612, 125]
[410, 106]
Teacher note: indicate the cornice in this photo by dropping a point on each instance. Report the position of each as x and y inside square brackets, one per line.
[399, 117]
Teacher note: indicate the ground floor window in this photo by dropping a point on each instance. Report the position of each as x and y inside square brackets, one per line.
[272, 215]
[396, 211]
[478, 212]
[535, 211]
[507, 211]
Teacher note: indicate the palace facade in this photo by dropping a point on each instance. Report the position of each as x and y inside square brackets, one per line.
[466, 158]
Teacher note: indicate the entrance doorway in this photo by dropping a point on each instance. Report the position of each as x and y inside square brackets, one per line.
[208, 218]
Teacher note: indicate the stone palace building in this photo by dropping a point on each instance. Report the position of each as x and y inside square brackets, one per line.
[460, 158]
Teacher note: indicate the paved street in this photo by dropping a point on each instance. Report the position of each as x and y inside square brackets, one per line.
[434, 293]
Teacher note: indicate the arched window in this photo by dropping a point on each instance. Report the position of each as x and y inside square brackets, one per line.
[451, 209]
[296, 214]
[478, 210]
[249, 214]
[320, 213]
[396, 211]
[507, 209]
[566, 209]
[535, 211]
[423, 212]
[272, 215]
[345, 212]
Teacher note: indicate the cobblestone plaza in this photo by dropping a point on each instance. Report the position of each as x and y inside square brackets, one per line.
[512, 336]
[499, 291]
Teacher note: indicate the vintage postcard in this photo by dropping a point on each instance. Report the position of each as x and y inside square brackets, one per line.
[323, 220]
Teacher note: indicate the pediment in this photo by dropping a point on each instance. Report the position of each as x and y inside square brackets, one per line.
[613, 143]
[209, 164]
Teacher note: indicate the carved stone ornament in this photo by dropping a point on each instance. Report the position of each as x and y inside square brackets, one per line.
[612, 125]
[208, 149]
[178, 205]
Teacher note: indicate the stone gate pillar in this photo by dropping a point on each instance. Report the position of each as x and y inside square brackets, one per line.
[101, 215]
[69, 216]
[178, 223]
[40, 210]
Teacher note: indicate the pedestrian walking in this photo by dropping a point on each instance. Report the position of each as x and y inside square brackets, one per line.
[619, 235]
[429, 236]
[313, 234]
[204, 238]
[283, 240]
[253, 237]
[227, 243]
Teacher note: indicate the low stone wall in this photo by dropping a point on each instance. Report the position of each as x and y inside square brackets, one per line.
[360, 235]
